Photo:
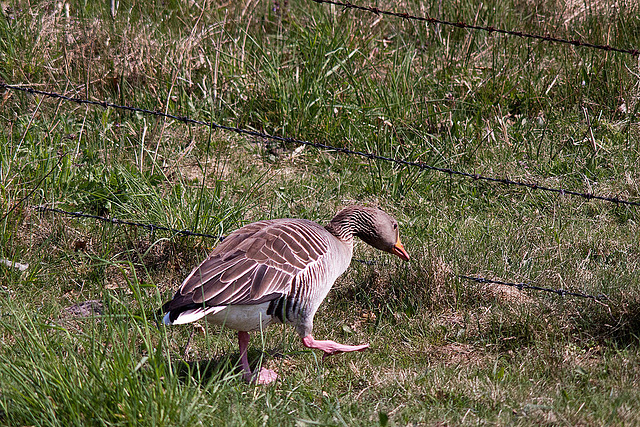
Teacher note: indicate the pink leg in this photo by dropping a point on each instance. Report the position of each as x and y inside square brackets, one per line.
[331, 347]
[243, 343]
[265, 376]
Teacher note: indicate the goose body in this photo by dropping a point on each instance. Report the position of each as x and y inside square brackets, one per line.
[279, 271]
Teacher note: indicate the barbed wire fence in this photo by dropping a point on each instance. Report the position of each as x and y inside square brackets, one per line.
[346, 5]
[371, 156]
[342, 150]
[154, 227]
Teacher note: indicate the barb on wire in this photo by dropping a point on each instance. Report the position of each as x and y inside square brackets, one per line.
[116, 221]
[521, 286]
[370, 156]
[489, 29]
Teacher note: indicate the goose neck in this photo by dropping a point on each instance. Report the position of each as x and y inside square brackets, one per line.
[349, 223]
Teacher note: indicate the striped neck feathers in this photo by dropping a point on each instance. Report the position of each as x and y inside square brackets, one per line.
[352, 221]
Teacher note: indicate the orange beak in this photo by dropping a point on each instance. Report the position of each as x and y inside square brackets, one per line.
[398, 249]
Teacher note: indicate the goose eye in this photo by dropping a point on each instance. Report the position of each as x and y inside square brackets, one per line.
[395, 226]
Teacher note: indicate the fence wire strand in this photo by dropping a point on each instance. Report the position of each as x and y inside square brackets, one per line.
[116, 221]
[153, 227]
[370, 156]
[521, 286]
[460, 24]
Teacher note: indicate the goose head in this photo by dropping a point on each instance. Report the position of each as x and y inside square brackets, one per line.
[373, 226]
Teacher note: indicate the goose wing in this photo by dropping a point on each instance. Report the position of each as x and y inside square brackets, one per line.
[254, 264]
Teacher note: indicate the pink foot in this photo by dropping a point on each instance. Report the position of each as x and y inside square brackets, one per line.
[266, 376]
[331, 347]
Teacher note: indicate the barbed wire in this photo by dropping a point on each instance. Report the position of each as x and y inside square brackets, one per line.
[149, 226]
[370, 156]
[153, 227]
[489, 29]
[521, 286]
[116, 221]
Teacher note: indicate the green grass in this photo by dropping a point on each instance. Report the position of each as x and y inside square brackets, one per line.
[443, 351]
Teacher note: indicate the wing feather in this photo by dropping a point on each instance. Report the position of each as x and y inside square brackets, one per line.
[233, 273]
[255, 263]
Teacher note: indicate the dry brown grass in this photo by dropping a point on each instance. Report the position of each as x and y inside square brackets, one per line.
[92, 55]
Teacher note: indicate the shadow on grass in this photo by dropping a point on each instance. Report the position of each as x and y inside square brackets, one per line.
[224, 368]
[616, 324]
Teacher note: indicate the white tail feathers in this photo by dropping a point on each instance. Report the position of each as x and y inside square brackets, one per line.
[189, 316]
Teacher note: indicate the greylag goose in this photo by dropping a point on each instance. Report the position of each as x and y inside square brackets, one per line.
[279, 271]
